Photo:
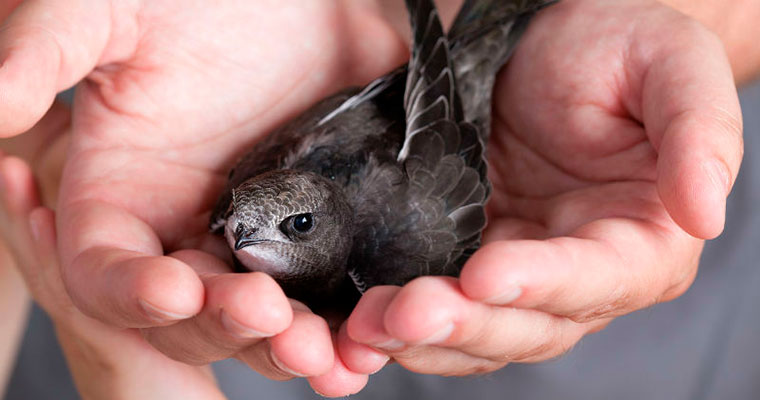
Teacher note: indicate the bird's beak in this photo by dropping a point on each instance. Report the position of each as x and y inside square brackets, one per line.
[244, 238]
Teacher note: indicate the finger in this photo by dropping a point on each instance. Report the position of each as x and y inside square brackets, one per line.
[123, 278]
[210, 244]
[240, 310]
[450, 360]
[18, 189]
[108, 236]
[340, 381]
[358, 357]
[304, 349]
[27, 231]
[46, 47]
[440, 331]
[43, 147]
[433, 311]
[119, 352]
[33, 144]
[42, 228]
[366, 325]
[18, 196]
[42, 275]
[6, 7]
[691, 113]
[31, 237]
[613, 267]
[259, 358]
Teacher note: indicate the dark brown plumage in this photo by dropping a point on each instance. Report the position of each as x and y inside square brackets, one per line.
[390, 180]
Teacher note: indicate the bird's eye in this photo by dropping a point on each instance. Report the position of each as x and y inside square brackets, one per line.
[296, 227]
[303, 222]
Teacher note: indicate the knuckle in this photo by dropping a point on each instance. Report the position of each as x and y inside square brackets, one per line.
[560, 342]
[157, 339]
[618, 304]
[258, 358]
[425, 360]
[537, 351]
[481, 368]
[547, 343]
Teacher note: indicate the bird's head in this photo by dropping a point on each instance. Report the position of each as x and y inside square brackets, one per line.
[294, 225]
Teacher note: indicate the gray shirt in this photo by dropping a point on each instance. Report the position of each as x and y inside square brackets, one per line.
[703, 345]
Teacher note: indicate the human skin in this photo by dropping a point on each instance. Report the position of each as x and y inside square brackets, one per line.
[134, 111]
[106, 362]
[43, 147]
[611, 157]
[735, 23]
[158, 53]
[14, 308]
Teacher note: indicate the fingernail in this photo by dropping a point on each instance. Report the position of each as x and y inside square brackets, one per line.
[507, 297]
[389, 345]
[282, 366]
[239, 330]
[34, 227]
[718, 173]
[384, 361]
[381, 359]
[439, 336]
[158, 314]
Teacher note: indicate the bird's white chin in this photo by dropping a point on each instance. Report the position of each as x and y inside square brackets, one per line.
[260, 257]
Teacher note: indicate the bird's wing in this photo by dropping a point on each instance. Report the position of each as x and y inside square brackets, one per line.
[433, 105]
[431, 221]
[483, 37]
[377, 88]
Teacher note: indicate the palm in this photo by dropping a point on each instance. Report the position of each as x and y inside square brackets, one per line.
[167, 123]
[574, 157]
[153, 139]
[37, 261]
[595, 199]
[579, 152]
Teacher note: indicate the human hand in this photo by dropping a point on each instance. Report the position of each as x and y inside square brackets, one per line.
[164, 110]
[106, 362]
[617, 137]
[14, 299]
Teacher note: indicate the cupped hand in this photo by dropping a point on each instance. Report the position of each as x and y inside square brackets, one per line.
[106, 362]
[173, 93]
[617, 137]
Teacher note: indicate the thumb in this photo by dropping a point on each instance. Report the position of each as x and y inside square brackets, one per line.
[46, 47]
[692, 113]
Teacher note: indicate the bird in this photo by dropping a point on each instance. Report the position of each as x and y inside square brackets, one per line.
[382, 184]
